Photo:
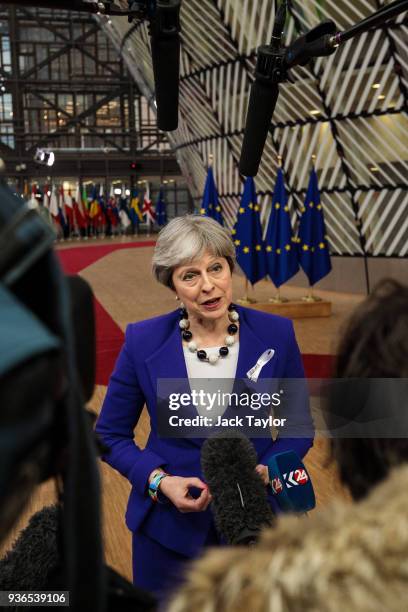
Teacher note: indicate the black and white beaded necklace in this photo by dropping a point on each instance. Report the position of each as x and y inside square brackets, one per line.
[223, 351]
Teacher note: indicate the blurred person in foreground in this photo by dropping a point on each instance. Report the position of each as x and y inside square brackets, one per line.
[345, 557]
[209, 337]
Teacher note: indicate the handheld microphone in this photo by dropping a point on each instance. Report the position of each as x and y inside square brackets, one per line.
[240, 504]
[291, 483]
[269, 71]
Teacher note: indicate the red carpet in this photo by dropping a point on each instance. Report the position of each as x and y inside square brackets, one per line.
[109, 336]
[75, 259]
[109, 339]
[318, 366]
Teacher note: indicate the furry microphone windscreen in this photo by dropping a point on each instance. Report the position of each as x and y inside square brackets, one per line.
[27, 566]
[240, 504]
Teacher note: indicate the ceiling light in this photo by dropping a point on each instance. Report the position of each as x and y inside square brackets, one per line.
[374, 169]
[382, 97]
[376, 86]
[44, 157]
[314, 111]
[117, 191]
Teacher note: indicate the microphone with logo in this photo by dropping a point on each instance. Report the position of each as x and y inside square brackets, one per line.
[291, 483]
[240, 505]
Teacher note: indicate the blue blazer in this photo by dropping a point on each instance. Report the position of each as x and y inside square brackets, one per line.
[153, 350]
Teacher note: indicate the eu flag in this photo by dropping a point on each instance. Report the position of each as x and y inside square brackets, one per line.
[312, 244]
[210, 205]
[281, 255]
[247, 235]
[161, 213]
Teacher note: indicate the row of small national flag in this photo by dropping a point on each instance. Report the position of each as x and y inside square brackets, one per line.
[78, 213]
[278, 253]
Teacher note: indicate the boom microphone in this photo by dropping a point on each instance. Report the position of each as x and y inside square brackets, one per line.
[239, 505]
[164, 29]
[269, 72]
[165, 44]
[291, 483]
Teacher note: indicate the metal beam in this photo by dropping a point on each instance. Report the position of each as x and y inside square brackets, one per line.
[60, 52]
[79, 118]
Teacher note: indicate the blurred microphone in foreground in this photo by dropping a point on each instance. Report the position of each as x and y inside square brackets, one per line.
[240, 504]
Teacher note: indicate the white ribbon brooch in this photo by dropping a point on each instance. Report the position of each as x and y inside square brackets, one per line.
[254, 372]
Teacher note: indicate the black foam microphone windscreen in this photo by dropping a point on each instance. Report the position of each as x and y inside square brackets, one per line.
[240, 506]
[262, 103]
[269, 71]
[166, 69]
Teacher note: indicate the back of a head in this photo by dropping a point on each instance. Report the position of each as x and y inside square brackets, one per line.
[374, 346]
[375, 342]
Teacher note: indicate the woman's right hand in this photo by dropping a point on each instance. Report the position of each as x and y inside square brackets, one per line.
[177, 490]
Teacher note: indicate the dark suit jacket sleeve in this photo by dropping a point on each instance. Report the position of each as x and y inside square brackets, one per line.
[294, 369]
[119, 416]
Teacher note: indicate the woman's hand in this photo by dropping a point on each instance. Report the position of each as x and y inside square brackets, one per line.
[263, 472]
[177, 489]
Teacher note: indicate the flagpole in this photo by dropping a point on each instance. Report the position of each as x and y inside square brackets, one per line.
[278, 299]
[310, 297]
[210, 165]
[246, 299]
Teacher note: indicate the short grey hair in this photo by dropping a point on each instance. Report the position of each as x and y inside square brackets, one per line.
[185, 239]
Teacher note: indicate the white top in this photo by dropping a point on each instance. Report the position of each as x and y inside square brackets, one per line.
[212, 378]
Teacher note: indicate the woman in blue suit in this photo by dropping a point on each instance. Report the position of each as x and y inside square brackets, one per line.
[209, 337]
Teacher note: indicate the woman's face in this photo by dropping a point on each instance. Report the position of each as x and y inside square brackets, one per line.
[204, 286]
